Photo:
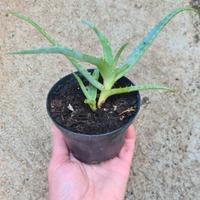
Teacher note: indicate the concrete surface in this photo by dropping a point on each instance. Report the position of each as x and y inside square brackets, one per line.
[167, 159]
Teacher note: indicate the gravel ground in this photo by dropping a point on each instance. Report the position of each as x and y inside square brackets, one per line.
[167, 158]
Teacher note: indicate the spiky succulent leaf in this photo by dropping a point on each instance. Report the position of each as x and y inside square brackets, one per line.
[91, 89]
[107, 74]
[93, 92]
[106, 66]
[107, 51]
[82, 86]
[147, 41]
[119, 52]
[107, 93]
[139, 88]
[61, 50]
[87, 75]
[36, 26]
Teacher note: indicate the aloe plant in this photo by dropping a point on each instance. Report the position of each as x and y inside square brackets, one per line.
[106, 65]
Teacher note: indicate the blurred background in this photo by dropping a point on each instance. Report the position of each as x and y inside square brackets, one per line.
[166, 165]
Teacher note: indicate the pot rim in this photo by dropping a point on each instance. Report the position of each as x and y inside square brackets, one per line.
[83, 134]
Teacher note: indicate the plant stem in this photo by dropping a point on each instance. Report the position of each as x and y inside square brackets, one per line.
[102, 98]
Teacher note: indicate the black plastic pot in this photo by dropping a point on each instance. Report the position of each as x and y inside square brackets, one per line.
[93, 148]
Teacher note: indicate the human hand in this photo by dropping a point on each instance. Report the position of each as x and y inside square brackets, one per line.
[71, 179]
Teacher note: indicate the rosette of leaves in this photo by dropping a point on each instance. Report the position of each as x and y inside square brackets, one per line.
[106, 65]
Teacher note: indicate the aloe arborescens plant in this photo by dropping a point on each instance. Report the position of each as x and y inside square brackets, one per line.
[107, 65]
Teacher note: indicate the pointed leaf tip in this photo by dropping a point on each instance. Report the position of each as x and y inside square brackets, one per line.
[119, 52]
[35, 25]
[107, 51]
[87, 23]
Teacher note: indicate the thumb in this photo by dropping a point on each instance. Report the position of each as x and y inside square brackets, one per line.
[127, 150]
[60, 152]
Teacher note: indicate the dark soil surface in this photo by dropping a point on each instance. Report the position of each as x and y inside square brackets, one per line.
[68, 109]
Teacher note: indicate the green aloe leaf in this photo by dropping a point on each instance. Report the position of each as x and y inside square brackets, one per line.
[147, 41]
[36, 26]
[82, 86]
[139, 88]
[104, 42]
[87, 75]
[107, 93]
[119, 52]
[91, 89]
[61, 50]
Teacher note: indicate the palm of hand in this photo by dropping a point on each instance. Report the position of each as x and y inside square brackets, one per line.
[74, 180]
